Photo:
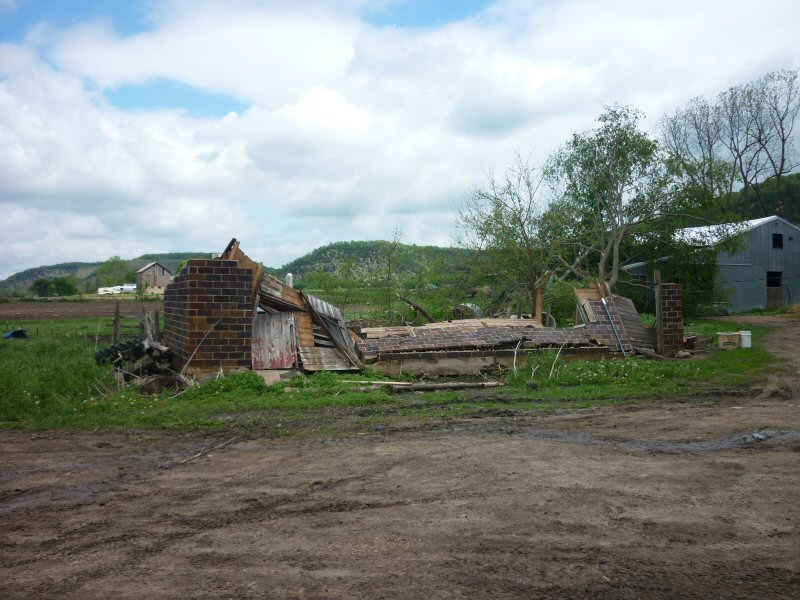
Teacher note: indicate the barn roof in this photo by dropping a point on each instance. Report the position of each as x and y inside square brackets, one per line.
[152, 264]
[714, 234]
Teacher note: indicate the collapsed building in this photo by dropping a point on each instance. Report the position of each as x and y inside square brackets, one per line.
[229, 314]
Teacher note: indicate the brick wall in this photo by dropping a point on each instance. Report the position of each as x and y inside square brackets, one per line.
[210, 299]
[608, 329]
[671, 314]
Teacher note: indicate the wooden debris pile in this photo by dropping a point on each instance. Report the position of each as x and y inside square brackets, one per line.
[144, 361]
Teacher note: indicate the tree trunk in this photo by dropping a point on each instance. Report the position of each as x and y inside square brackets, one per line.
[539, 302]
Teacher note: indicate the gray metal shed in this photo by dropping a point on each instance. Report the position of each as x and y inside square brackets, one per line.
[764, 274]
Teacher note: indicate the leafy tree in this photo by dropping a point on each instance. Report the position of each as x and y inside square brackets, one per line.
[115, 271]
[64, 286]
[319, 280]
[42, 287]
[346, 272]
[613, 181]
[180, 265]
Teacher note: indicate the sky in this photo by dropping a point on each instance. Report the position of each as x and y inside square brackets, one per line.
[129, 127]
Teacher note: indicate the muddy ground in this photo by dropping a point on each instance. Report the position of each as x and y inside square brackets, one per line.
[696, 498]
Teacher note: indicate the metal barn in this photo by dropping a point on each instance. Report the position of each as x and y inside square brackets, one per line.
[766, 272]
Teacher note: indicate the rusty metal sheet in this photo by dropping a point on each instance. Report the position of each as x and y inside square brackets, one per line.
[274, 341]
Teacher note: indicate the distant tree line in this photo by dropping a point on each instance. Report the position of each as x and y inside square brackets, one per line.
[58, 286]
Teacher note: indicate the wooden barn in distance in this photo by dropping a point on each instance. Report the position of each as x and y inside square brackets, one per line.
[153, 278]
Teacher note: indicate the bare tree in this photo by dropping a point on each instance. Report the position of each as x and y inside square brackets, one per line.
[779, 105]
[692, 139]
[389, 259]
[738, 143]
[505, 221]
[740, 109]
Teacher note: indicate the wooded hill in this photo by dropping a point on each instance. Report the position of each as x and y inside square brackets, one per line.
[766, 204]
[370, 260]
[355, 260]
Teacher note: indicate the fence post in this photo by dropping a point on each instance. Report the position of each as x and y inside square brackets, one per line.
[115, 339]
[659, 316]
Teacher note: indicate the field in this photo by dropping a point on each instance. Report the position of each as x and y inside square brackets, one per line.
[11, 312]
[689, 493]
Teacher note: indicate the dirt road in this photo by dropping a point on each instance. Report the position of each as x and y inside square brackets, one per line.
[677, 500]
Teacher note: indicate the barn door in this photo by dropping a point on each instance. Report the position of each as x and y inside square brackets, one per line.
[774, 289]
[274, 341]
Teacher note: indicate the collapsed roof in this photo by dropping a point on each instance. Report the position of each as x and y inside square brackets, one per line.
[291, 329]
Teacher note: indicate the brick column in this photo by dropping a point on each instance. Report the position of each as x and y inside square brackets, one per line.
[670, 302]
[208, 316]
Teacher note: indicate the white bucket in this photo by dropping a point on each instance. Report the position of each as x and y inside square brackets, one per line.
[746, 338]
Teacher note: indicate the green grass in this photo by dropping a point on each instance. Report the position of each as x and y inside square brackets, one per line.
[51, 381]
[636, 377]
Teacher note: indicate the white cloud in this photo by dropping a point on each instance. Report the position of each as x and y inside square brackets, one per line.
[351, 130]
[259, 56]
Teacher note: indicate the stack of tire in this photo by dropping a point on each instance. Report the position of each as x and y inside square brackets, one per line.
[118, 353]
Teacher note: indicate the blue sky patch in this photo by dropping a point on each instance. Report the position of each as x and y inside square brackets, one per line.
[127, 17]
[423, 13]
[166, 94]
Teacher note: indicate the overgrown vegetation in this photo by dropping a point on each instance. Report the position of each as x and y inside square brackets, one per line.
[559, 379]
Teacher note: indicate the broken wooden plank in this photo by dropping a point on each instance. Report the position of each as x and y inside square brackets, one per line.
[329, 318]
[233, 252]
[466, 324]
[305, 328]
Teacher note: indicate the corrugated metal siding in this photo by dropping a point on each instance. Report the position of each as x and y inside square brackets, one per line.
[745, 273]
[324, 308]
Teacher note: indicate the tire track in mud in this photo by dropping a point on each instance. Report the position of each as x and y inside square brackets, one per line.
[119, 472]
[763, 438]
[142, 546]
